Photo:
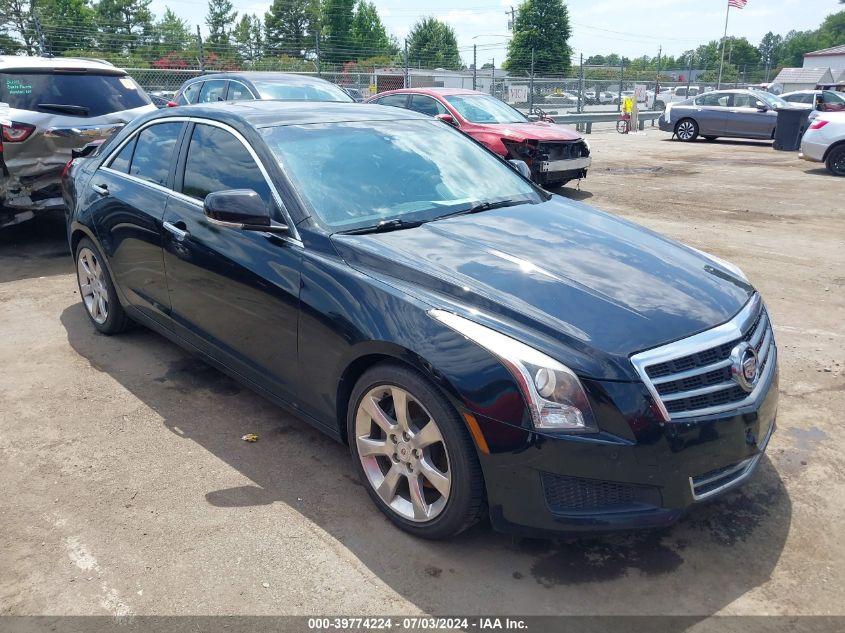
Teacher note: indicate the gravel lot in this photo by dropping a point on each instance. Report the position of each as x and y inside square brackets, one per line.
[127, 488]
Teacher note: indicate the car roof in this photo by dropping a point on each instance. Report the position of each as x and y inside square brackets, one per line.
[269, 113]
[22, 63]
[433, 92]
[262, 76]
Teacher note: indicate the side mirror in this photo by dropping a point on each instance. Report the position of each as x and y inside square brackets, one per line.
[522, 167]
[762, 107]
[239, 209]
[446, 118]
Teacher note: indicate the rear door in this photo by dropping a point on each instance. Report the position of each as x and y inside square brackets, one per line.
[746, 120]
[426, 105]
[128, 196]
[711, 113]
[235, 294]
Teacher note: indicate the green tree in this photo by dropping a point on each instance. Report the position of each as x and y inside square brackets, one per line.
[287, 26]
[337, 16]
[173, 33]
[18, 25]
[832, 30]
[541, 26]
[67, 24]
[770, 47]
[220, 21]
[795, 44]
[432, 44]
[125, 24]
[369, 37]
[249, 38]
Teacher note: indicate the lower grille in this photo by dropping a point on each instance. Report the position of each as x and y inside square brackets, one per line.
[697, 376]
[576, 494]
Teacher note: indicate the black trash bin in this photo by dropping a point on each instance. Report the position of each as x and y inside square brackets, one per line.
[790, 127]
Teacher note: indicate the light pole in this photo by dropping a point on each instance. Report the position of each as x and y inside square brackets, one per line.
[475, 60]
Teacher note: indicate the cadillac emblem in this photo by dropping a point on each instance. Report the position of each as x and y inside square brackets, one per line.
[745, 366]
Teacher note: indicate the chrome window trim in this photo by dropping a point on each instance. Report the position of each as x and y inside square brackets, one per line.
[294, 236]
[708, 339]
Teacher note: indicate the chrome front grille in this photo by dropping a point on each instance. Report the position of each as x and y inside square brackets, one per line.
[694, 376]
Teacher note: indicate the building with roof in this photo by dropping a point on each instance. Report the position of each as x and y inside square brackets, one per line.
[833, 58]
[790, 79]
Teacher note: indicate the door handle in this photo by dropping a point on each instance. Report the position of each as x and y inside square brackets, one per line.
[100, 190]
[181, 234]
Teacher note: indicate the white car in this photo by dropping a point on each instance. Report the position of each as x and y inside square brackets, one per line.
[824, 142]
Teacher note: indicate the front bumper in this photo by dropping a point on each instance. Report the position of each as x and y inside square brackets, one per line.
[550, 171]
[546, 485]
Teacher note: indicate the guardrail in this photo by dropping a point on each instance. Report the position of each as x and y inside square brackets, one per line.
[584, 121]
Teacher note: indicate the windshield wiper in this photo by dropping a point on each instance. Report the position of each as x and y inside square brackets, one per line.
[385, 226]
[62, 107]
[486, 205]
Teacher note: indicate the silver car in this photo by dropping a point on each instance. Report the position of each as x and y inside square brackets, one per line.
[49, 107]
[732, 113]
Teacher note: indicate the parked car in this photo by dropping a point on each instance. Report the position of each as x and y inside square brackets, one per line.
[824, 142]
[560, 98]
[482, 345]
[625, 93]
[732, 113]
[161, 98]
[606, 97]
[817, 100]
[554, 154]
[247, 86]
[47, 108]
[355, 93]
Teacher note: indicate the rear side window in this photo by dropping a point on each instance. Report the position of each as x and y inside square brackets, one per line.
[213, 91]
[153, 151]
[205, 172]
[123, 159]
[718, 100]
[190, 94]
[394, 100]
[80, 94]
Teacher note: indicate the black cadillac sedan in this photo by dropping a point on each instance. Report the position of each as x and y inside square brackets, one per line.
[481, 345]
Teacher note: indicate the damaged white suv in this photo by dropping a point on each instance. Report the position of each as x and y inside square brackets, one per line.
[48, 107]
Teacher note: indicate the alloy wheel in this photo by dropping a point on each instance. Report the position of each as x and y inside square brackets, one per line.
[686, 130]
[403, 453]
[92, 285]
[836, 162]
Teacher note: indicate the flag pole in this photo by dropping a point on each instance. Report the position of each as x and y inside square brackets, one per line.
[724, 39]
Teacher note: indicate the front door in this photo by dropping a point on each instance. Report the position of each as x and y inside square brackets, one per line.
[234, 294]
[129, 195]
[746, 119]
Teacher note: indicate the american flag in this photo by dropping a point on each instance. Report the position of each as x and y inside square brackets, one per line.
[737, 4]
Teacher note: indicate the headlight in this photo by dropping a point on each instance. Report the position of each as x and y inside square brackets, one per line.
[554, 394]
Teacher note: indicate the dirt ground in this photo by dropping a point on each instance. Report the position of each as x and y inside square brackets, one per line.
[127, 488]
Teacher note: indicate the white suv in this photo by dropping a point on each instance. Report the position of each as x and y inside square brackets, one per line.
[48, 107]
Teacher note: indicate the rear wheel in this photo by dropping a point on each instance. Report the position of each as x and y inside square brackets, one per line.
[686, 130]
[97, 290]
[413, 453]
[835, 161]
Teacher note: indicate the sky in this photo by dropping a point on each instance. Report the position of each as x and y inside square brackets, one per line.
[627, 27]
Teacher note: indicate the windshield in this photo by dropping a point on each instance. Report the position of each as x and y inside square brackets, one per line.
[74, 93]
[358, 174]
[485, 109]
[290, 91]
[773, 101]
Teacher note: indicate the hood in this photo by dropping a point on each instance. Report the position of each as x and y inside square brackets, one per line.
[584, 286]
[541, 131]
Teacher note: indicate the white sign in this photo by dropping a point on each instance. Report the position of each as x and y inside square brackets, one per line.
[517, 94]
[639, 90]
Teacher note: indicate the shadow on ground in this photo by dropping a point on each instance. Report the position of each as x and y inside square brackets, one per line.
[711, 558]
[35, 248]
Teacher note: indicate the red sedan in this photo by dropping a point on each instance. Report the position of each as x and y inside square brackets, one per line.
[555, 154]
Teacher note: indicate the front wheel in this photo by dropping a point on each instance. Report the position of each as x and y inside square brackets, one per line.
[835, 162]
[413, 453]
[686, 130]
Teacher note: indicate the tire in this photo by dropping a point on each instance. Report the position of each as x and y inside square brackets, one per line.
[835, 161]
[622, 126]
[686, 130]
[96, 290]
[398, 462]
[709, 139]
